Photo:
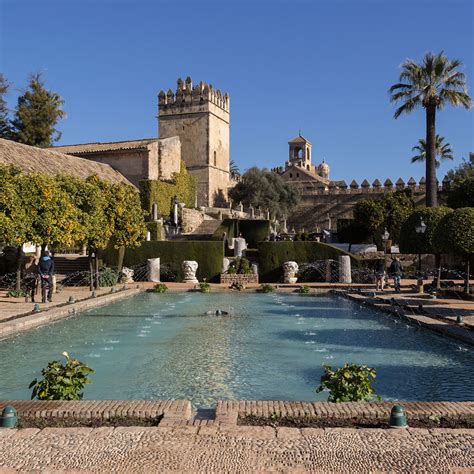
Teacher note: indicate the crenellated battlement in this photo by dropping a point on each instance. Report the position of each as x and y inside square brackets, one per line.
[187, 95]
[341, 187]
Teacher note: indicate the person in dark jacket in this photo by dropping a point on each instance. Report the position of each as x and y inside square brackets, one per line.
[396, 272]
[379, 274]
[46, 271]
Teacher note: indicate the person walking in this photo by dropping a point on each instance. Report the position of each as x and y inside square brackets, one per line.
[396, 272]
[379, 274]
[30, 272]
[46, 271]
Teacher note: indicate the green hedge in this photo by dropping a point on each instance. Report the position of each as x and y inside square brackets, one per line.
[183, 186]
[253, 231]
[272, 255]
[208, 254]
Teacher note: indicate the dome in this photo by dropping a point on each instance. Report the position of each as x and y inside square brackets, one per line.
[323, 169]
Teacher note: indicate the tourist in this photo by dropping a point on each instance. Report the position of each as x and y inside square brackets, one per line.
[30, 272]
[45, 271]
[396, 272]
[379, 274]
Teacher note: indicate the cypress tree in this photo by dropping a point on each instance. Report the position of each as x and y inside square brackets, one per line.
[36, 115]
[5, 126]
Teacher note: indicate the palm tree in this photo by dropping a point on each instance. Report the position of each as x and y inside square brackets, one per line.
[443, 150]
[234, 170]
[432, 84]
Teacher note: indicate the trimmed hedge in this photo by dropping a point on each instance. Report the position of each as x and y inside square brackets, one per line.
[272, 256]
[253, 231]
[208, 254]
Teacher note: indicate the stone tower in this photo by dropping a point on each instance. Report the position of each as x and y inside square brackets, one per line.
[199, 116]
[300, 152]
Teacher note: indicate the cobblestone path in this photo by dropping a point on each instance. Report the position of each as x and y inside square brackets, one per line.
[237, 449]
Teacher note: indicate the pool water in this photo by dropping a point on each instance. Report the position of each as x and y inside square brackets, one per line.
[269, 346]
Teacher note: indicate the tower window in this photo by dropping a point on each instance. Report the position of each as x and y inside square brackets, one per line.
[291, 175]
[215, 158]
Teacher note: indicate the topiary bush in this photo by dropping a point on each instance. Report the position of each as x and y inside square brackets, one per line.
[455, 235]
[267, 288]
[159, 288]
[351, 383]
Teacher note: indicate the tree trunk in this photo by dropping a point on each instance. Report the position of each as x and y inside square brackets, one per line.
[121, 254]
[467, 274]
[91, 270]
[96, 265]
[438, 270]
[18, 269]
[431, 184]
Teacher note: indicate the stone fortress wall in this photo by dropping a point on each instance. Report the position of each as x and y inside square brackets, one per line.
[323, 206]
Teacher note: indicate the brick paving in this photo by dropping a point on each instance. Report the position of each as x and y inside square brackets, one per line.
[229, 448]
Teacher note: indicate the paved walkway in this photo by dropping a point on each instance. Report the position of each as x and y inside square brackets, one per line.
[237, 449]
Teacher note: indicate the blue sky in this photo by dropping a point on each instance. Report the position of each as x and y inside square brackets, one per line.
[322, 67]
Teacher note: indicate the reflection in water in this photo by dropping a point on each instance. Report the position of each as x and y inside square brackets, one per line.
[268, 347]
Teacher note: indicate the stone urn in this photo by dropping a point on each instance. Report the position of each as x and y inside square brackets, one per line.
[290, 271]
[189, 268]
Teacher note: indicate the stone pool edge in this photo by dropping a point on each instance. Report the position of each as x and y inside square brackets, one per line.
[460, 333]
[228, 412]
[30, 321]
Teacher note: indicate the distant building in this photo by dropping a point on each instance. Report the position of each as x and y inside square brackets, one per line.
[299, 170]
[193, 126]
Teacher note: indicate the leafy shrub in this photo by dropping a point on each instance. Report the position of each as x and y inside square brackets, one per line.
[16, 294]
[350, 383]
[237, 286]
[62, 382]
[108, 276]
[205, 287]
[304, 290]
[267, 288]
[160, 288]
[241, 266]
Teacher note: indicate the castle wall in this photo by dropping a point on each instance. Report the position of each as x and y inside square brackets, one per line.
[133, 164]
[169, 159]
[322, 208]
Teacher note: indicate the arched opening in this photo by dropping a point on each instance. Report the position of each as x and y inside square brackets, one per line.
[308, 154]
[215, 158]
[298, 153]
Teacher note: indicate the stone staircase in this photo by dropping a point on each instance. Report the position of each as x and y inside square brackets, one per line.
[204, 231]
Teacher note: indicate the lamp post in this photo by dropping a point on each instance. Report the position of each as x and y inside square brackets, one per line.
[385, 237]
[420, 229]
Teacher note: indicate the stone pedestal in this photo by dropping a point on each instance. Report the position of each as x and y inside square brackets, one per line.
[189, 268]
[345, 269]
[238, 245]
[153, 269]
[290, 271]
[225, 264]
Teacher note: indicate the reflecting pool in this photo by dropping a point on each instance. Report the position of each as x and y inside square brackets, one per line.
[268, 346]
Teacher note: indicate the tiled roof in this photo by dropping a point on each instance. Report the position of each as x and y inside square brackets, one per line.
[105, 146]
[299, 139]
[42, 160]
